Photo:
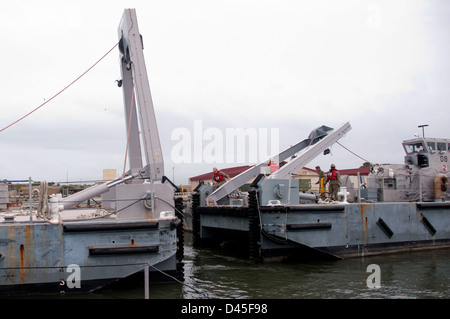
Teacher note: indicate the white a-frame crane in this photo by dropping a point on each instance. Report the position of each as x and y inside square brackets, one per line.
[143, 191]
[136, 89]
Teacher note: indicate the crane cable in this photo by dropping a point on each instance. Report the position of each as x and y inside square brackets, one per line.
[355, 153]
[373, 164]
[65, 88]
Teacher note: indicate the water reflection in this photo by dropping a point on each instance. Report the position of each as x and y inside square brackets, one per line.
[218, 274]
[424, 274]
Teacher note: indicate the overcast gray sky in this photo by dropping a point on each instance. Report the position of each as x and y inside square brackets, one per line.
[285, 64]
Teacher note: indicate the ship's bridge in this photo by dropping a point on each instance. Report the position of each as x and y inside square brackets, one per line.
[427, 152]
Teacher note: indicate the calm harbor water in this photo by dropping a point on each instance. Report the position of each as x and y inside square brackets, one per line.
[221, 274]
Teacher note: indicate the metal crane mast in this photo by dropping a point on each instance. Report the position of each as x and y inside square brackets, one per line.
[146, 194]
[318, 140]
[136, 88]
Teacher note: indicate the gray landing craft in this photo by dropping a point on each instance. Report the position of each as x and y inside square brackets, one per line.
[48, 245]
[397, 207]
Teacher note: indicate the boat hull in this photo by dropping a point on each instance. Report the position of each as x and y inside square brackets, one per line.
[82, 256]
[277, 233]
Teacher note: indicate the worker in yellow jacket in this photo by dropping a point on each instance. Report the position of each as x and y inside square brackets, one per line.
[321, 182]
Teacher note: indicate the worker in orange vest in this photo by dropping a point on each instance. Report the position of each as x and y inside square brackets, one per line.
[219, 178]
[334, 178]
[273, 166]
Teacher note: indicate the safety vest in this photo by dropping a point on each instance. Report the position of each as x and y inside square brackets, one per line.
[273, 166]
[332, 174]
[218, 177]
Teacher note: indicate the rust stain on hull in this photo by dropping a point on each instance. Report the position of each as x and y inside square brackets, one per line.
[364, 224]
[22, 264]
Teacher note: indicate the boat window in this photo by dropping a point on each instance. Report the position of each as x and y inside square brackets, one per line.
[441, 146]
[414, 148]
[390, 183]
[431, 146]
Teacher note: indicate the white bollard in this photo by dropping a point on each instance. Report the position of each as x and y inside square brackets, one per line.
[344, 193]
